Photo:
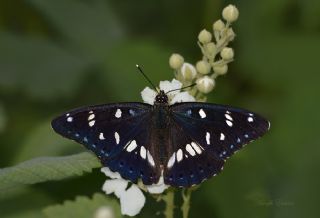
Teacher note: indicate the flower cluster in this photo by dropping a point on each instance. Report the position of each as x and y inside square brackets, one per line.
[214, 62]
[215, 56]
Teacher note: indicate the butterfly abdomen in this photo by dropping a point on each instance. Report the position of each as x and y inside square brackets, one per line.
[160, 131]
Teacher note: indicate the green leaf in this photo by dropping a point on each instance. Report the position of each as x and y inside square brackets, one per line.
[90, 26]
[82, 207]
[43, 141]
[46, 169]
[17, 204]
[40, 67]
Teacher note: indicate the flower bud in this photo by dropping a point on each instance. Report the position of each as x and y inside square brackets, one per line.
[221, 69]
[210, 48]
[188, 71]
[203, 67]
[176, 61]
[205, 84]
[230, 13]
[230, 34]
[204, 36]
[218, 25]
[227, 53]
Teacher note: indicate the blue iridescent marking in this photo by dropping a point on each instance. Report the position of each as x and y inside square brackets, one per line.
[77, 135]
[231, 146]
[85, 139]
[132, 112]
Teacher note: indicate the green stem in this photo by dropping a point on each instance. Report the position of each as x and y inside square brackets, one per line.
[168, 199]
[186, 196]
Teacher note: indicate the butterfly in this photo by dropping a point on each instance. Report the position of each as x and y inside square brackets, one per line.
[185, 143]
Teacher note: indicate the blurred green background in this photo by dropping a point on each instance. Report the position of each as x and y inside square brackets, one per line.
[60, 54]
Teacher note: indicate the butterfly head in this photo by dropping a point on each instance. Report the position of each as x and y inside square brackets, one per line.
[162, 97]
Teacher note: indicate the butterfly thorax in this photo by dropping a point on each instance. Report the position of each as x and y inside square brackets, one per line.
[161, 98]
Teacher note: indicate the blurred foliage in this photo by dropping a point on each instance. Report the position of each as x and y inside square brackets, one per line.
[58, 55]
[43, 169]
[82, 207]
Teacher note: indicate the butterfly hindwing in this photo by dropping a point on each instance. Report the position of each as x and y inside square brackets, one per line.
[117, 133]
[188, 162]
[207, 134]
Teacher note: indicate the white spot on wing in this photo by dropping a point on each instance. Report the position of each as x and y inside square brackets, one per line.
[69, 119]
[91, 123]
[67, 115]
[228, 117]
[196, 147]
[190, 150]
[143, 152]
[222, 136]
[131, 145]
[171, 161]
[208, 138]
[250, 119]
[118, 113]
[150, 159]
[101, 136]
[117, 137]
[202, 113]
[91, 117]
[179, 155]
[229, 123]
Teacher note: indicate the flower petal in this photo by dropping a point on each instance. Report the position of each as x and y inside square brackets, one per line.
[110, 174]
[157, 188]
[182, 97]
[148, 95]
[167, 86]
[132, 201]
[116, 186]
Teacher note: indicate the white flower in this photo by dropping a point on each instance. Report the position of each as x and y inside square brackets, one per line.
[132, 199]
[157, 188]
[148, 95]
[182, 97]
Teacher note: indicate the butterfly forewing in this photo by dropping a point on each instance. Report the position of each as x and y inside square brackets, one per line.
[204, 136]
[118, 134]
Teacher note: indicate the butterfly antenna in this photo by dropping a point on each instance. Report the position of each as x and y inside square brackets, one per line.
[182, 88]
[145, 76]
